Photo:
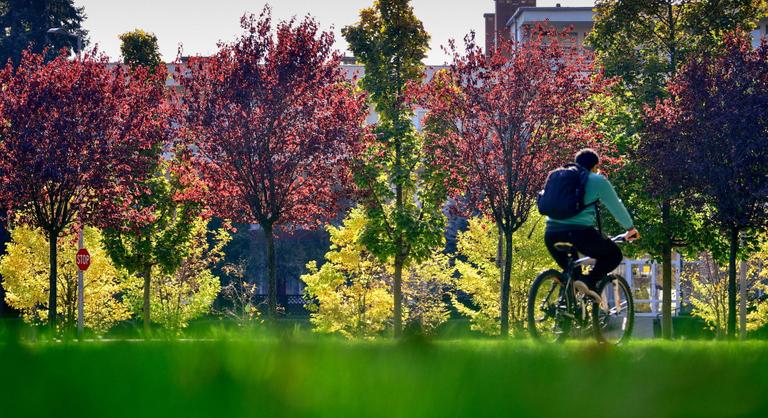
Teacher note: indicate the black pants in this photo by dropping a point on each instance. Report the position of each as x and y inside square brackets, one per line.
[591, 243]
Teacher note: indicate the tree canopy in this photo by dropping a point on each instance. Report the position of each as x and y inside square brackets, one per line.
[273, 126]
[644, 42]
[140, 48]
[710, 137]
[24, 25]
[351, 294]
[77, 136]
[479, 273]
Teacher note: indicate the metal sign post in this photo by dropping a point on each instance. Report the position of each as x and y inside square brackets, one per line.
[83, 261]
[80, 299]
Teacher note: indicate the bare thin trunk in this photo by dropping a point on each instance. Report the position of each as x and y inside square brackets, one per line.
[505, 281]
[500, 248]
[146, 313]
[52, 296]
[272, 270]
[732, 282]
[743, 299]
[397, 292]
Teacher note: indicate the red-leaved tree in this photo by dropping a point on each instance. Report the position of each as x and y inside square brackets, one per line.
[499, 124]
[272, 127]
[76, 135]
[710, 140]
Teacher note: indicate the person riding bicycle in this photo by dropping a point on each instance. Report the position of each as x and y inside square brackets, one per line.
[580, 231]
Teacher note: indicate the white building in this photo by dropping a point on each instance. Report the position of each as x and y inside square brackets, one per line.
[579, 20]
[352, 72]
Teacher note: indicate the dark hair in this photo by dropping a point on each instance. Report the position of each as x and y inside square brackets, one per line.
[587, 158]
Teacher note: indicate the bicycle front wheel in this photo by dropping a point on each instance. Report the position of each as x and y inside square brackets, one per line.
[614, 320]
[546, 306]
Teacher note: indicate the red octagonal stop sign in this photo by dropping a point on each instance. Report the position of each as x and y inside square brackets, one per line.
[83, 259]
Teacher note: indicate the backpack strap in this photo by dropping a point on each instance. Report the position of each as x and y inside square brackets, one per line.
[596, 203]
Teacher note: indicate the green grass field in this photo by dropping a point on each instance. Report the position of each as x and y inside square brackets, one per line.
[315, 377]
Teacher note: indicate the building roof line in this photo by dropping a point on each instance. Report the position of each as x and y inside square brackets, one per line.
[520, 10]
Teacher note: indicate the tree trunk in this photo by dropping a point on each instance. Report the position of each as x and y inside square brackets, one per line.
[272, 270]
[672, 45]
[666, 274]
[743, 299]
[146, 314]
[732, 282]
[52, 296]
[70, 305]
[500, 250]
[397, 293]
[505, 281]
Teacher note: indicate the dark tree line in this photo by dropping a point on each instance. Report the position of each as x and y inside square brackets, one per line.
[25, 24]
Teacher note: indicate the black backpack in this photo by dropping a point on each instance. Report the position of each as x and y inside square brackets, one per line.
[563, 194]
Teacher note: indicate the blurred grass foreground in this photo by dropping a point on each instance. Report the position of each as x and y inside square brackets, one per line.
[318, 377]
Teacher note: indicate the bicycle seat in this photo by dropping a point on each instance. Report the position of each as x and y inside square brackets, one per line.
[563, 246]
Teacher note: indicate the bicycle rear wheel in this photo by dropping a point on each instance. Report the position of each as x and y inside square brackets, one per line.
[613, 323]
[546, 305]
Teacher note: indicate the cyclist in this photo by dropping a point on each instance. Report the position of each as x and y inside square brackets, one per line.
[580, 231]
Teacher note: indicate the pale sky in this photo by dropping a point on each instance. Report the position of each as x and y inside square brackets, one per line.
[200, 24]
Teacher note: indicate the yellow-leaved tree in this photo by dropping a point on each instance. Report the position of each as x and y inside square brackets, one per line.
[709, 291]
[25, 270]
[190, 291]
[479, 273]
[351, 294]
[758, 271]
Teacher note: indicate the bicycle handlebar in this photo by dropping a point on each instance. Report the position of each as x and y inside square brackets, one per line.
[620, 238]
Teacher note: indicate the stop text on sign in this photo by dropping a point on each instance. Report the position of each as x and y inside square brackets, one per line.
[83, 259]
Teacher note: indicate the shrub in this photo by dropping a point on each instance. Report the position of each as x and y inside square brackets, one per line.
[350, 293]
[479, 273]
[190, 291]
[709, 293]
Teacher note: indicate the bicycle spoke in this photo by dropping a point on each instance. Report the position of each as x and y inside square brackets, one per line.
[546, 309]
[614, 325]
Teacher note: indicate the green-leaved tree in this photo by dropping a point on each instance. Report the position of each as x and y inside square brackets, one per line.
[401, 191]
[188, 291]
[158, 240]
[140, 48]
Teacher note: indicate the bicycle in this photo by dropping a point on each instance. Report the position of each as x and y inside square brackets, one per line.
[556, 310]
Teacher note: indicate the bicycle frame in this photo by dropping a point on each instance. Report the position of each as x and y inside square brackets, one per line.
[571, 302]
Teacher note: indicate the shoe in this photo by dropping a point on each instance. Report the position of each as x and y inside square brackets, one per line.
[582, 287]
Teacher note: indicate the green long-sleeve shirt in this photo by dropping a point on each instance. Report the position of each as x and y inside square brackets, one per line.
[598, 188]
